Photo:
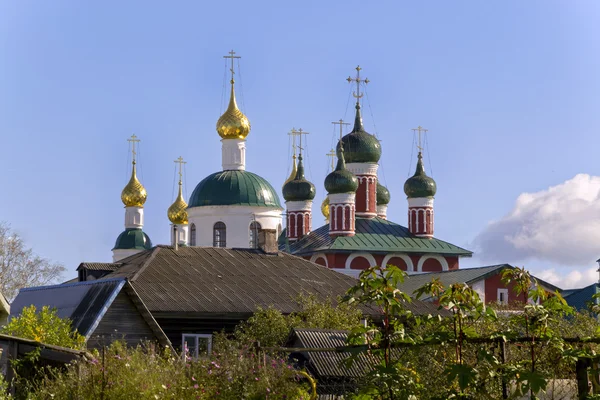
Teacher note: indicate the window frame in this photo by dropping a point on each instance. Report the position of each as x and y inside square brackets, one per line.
[196, 336]
[253, 229]
[219, 234]
[193, 234]
[502, 291]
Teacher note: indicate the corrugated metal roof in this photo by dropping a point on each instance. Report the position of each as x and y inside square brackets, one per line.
[98, 266]
[224, 280]
[84, 302]
[580, 298]
[375, 235]
[329, 364]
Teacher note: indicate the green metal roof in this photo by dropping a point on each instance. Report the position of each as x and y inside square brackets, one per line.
[359, 145]
[228, 188]
[383, 194]
[299, 188]
[133, 239]
[420, 185]
[374, 235]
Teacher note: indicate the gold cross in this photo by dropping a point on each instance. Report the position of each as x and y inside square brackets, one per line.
[341, 123]
[331, 155]
[299, 133]
[180, 162]
[420, 130]
[133, 140]
[358, 81]
[232, 56]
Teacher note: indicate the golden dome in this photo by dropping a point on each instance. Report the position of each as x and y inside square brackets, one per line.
[177, 213]
[294, 171]
[233, 124]
[325, 208]
[134, 194]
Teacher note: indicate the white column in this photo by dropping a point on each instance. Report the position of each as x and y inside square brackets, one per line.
[233, 153]
[134, 217]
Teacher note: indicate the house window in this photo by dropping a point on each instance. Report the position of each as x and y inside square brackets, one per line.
[219, 235]
[254, 229]
[193, 235]
[196, 345]
[503, 296]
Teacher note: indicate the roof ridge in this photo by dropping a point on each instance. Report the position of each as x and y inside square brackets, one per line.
[83, 283]
[504, 265]
[149, 258]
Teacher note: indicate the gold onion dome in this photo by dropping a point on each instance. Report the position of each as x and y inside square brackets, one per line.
[325, 208]
[233, 124]
[134, 194]
[294, 171]
[177, 213]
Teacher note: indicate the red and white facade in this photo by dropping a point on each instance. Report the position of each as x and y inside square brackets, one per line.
[299, 219]
[342, 212]
[366, 194]
[420, 216]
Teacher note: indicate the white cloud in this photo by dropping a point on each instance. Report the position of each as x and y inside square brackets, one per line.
[560, 225]
[569, 280]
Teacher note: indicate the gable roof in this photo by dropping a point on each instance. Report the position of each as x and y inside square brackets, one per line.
[98, 266]
[373, 235]
[208, 280]
[580, 298]
[84, 303]
[465, 275]
[4, 306]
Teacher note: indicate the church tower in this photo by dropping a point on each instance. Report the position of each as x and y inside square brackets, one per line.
[133, 239]
[341, 186]
[231, 207]
[420, 190]
[362, 153]
[177, 214]
[299, 194]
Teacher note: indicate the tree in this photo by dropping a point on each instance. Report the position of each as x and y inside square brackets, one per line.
[20, 267]
[44, 326]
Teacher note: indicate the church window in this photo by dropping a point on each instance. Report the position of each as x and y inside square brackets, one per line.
[219, 235]
[254, 229]
[193, 235]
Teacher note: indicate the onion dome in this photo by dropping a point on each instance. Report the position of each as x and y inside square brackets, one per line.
[325, 208]
[360, 146]
[233, 124]
[294, 171]
[341, 180]
[134, 194]
[234, 188]
[420, 185]
[383, 194]
[133, 238]
[177, 213]
[299, 189]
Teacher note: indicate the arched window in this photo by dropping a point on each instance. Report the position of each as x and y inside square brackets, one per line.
[254, 229]
[193, 235]
[219, 235]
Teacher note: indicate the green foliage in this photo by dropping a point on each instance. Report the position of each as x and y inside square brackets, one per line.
[146, 372]
[44, 326]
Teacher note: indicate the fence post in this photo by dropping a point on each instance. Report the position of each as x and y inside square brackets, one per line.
[503, 360]
[581, 373]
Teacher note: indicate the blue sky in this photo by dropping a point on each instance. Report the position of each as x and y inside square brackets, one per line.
[508, 91]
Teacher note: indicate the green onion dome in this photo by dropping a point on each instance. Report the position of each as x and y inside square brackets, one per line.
[341, 180]
[133, 238]
[234, 188]
[420, 185]
[360, 146]
[299, 189]
[383, 194]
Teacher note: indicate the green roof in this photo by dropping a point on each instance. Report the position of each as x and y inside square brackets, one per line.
[228, 188]
[359, 145]
[374, 235]
[383, 194]
[299, 188]
[341, 180]
[420, 185]
[133, 239]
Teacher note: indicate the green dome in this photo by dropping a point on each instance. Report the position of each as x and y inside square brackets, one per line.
[133, 238]
[234, 188]
[360, 146]
[299, 189]
[341, 180]
[383, 194]
[420, 185]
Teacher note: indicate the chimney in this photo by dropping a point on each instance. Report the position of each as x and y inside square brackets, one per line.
[267, 241]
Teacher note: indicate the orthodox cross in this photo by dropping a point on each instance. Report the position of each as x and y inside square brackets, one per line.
[297, 132]
[232, 56]
[180, 162]
[341, 123]
[420, 130]
[331, 155]
[133, 140]
[358, 81]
